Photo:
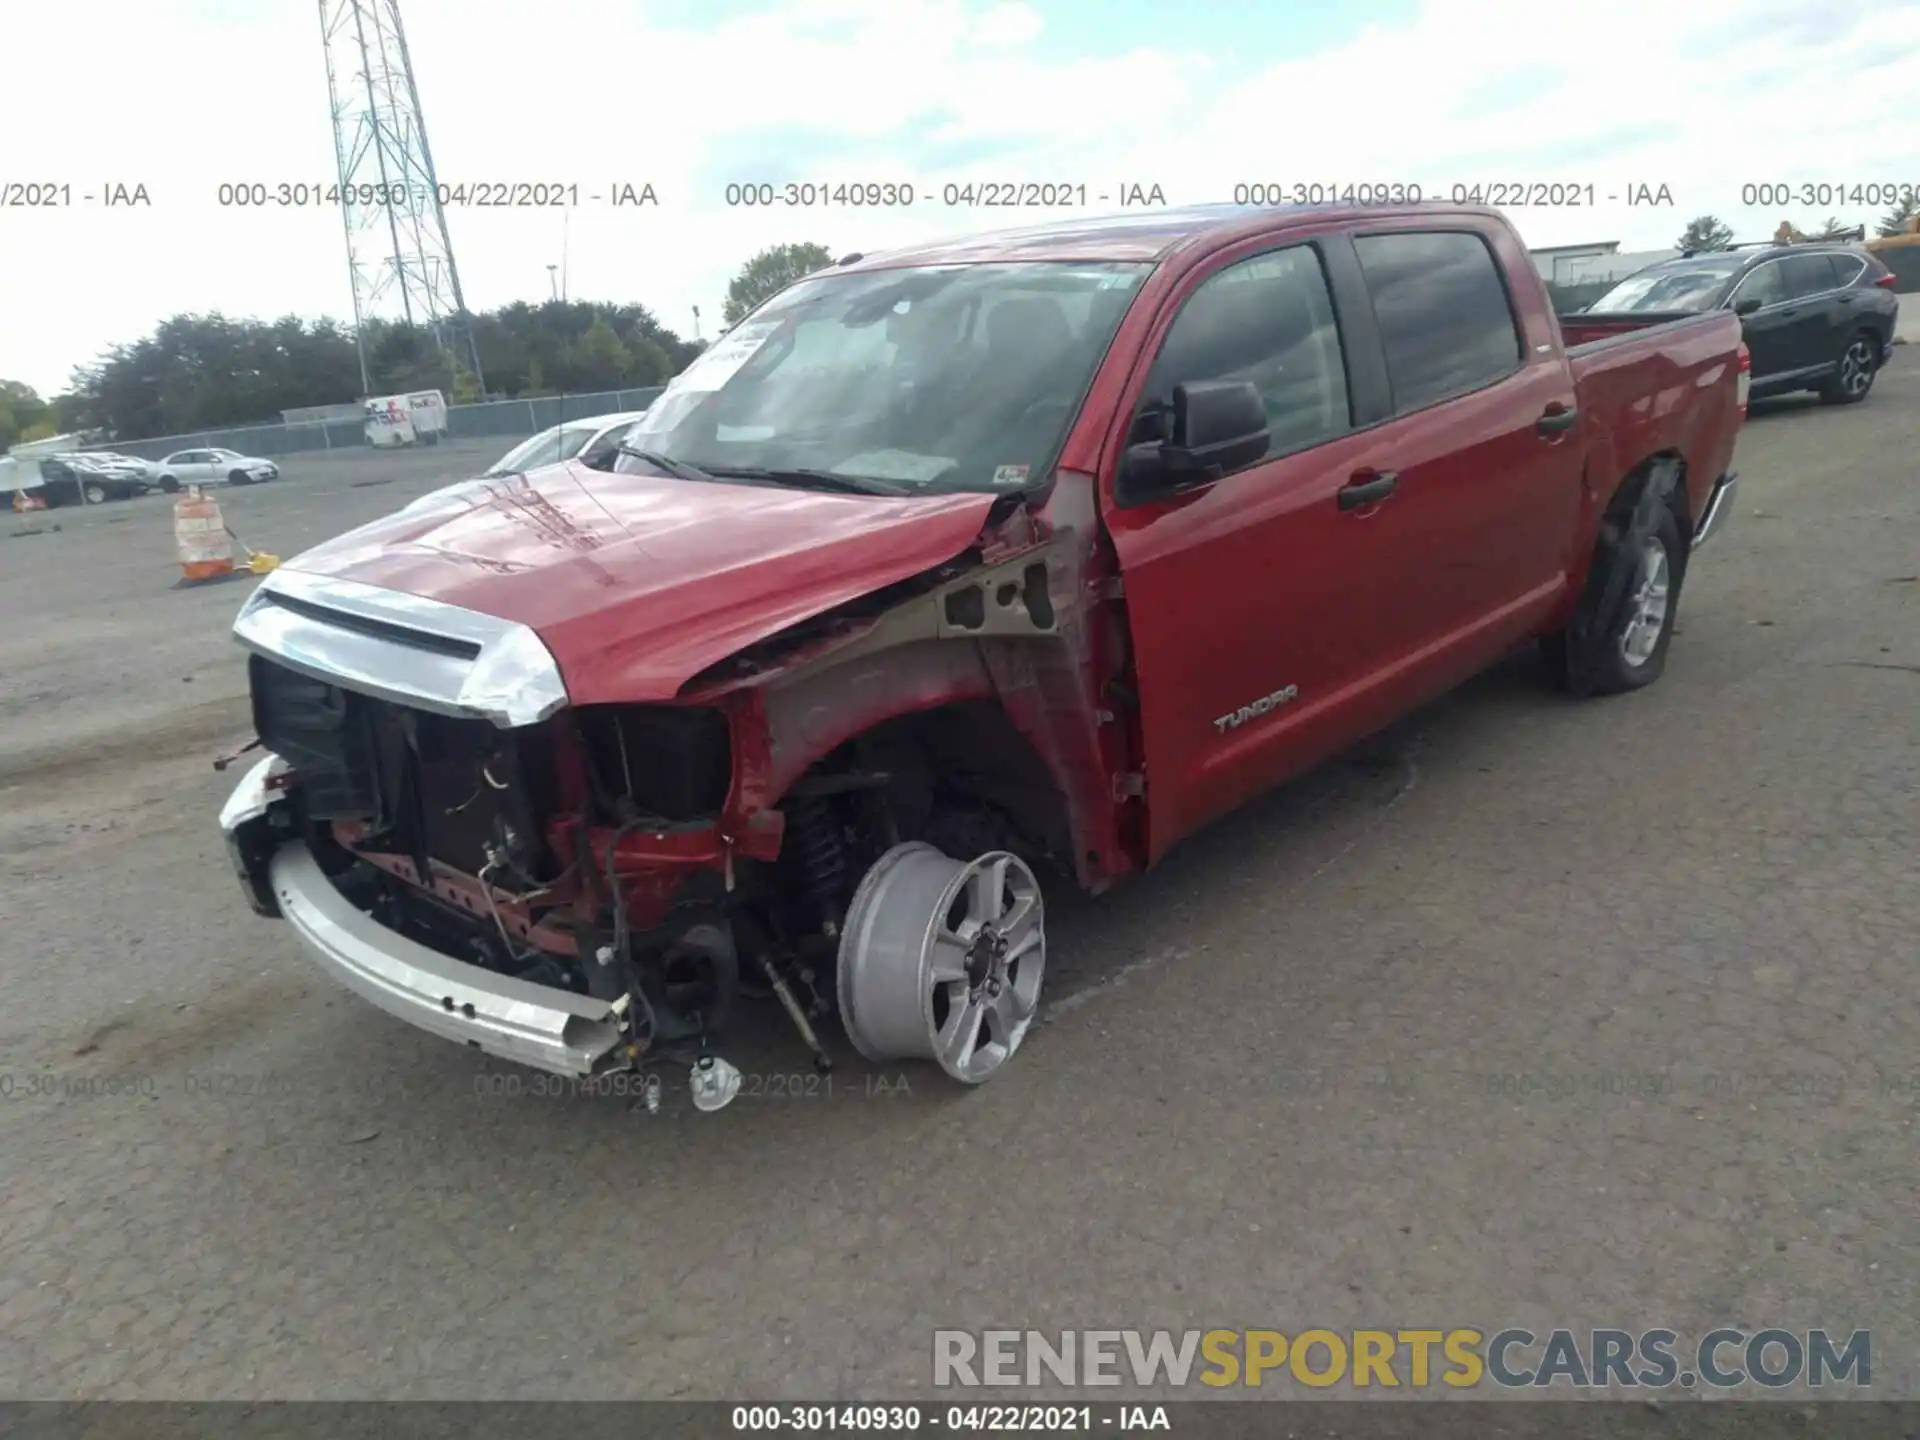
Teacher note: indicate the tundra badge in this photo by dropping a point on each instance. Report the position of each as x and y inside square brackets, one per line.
[1264, 705]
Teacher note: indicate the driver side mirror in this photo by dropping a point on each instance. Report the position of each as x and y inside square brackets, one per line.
[1217, 426]
[1747, 306]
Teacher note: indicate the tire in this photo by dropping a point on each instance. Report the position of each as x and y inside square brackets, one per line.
[1637, 574]
[169, 483]
[94, 493]
[1853, 376]
[239, 477]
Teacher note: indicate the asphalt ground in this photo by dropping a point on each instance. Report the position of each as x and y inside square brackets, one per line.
[1531, 1012]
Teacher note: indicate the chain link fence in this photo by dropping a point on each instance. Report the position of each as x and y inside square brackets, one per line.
[494, 417]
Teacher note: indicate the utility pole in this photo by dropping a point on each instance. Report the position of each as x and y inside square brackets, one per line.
[399, 254]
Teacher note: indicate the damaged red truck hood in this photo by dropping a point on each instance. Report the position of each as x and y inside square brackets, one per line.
[637, 583]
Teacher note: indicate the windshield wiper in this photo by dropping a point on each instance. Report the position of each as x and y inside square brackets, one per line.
[812, 480]
[679, 469]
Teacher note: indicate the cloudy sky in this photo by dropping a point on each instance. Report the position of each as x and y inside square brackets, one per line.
[1703, 97]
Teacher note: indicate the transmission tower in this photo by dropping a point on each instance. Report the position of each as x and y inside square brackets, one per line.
[399, 255]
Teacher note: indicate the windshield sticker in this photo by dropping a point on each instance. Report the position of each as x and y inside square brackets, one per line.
[896, 465]
[1010, 477]
[720, 361]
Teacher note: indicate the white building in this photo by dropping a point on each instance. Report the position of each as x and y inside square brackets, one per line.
[1586, 264]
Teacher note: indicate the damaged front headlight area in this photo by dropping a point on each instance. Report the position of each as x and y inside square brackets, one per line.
[255, 822]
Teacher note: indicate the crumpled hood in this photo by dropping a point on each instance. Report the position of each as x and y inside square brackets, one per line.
[637, 583]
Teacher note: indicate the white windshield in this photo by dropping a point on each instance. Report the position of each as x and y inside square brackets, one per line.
[959, 377]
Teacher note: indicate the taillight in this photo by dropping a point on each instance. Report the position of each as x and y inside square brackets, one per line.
[1745, 382]
[1886, 281]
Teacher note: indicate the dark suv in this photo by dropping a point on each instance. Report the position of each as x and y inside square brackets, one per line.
[1818, 316]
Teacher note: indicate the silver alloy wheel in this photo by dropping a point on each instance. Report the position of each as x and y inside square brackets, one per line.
[96, 494]
[1856, 368]
[1647, 607]
[942, 960]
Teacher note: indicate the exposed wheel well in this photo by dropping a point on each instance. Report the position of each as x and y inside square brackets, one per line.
[1626, 495]
[964, 777]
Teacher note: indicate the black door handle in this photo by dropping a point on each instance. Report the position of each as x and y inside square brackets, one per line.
[1370, 490]
[1845, 299]
[1556, 418]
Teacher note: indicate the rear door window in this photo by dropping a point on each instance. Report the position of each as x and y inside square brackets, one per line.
[1809, 275]
[1445, 319]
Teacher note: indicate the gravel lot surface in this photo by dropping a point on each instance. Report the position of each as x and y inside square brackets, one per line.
[1533, 1012]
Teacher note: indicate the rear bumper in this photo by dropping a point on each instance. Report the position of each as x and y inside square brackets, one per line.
[1718, 511]
[536, 1025]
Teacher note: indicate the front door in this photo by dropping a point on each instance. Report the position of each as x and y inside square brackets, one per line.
[1250, 598]
[1782, 334]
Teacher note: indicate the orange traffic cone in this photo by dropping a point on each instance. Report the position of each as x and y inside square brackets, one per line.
[200, 536]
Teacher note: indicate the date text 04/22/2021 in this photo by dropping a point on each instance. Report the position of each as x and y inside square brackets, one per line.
[457, 194]
[978, 1419]
[1500, 194]
[954, 194]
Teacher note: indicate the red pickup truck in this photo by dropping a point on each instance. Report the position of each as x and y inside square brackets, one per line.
[945, 576]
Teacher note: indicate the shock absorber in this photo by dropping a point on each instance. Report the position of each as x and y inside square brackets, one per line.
[822, 852]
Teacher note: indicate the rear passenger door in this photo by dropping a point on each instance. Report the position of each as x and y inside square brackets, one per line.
[1485, 441]
[1813, 285]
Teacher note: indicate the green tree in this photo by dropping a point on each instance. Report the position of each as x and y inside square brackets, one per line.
[1899, 220]
[466, 389]
[770, 271]
[196, 372]
[21, 408]
[602, 362]
[1835, 229]
[1705, 232]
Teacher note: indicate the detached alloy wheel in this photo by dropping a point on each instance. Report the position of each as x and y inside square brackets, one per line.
[942, 960]
[1854, 377]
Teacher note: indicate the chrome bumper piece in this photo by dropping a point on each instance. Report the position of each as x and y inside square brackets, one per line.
[536, 1025]
[1719, 508]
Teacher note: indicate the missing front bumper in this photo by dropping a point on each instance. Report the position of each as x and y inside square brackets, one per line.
[536, 1025]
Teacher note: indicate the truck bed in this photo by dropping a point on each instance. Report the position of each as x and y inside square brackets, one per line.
[1588, 329]
[1651, 383]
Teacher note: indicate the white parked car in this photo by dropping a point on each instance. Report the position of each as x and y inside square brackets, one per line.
[125, 467]
[590, 440]
[213, 467]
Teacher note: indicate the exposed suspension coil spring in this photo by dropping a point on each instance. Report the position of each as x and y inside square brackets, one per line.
[821, 849]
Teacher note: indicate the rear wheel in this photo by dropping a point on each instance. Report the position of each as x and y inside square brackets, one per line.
[1619, 639]
[1853, 377]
